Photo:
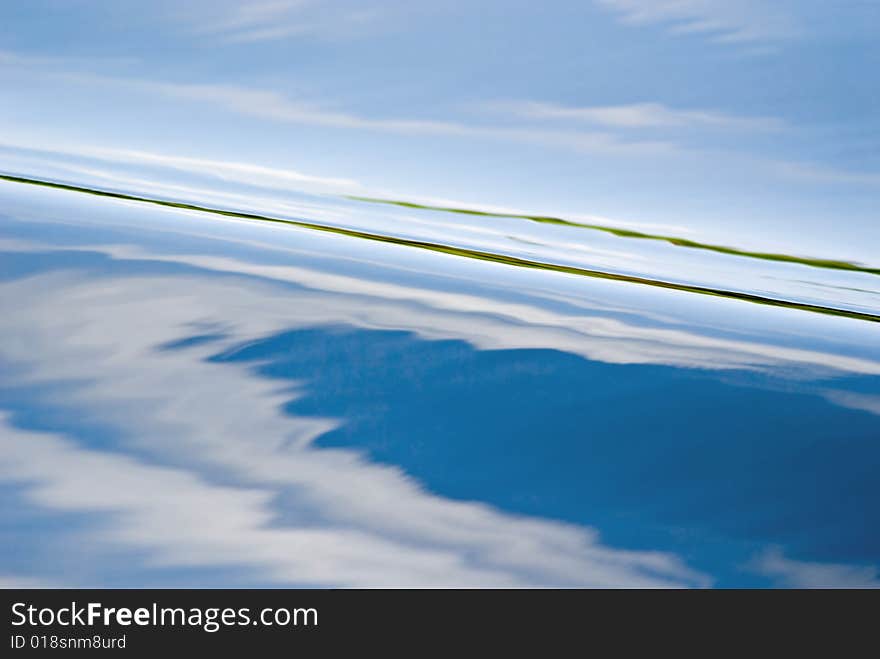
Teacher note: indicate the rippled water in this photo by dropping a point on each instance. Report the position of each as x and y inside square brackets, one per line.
[485, 293]
[211, 398]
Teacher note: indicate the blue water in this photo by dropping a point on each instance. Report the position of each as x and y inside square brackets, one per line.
[190, 399]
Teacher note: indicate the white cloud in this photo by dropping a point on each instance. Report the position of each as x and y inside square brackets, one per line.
[275, 106]
[353, 523]
[11, 581]
[801, 574]
[640, 115]
[239, 172]
[734, 21]
[855, 401]
[244, 16]
[273, 20]
[65, 62]
[484, 322]
[109, 164]
[813, 173]
[272, 105]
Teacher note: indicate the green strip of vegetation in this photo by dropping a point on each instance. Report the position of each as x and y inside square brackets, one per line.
[626, 233]
[467, 253]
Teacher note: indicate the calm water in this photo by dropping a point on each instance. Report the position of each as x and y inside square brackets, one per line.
[192, 398]
[483, 293]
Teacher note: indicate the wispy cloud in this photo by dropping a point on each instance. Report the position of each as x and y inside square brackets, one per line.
[239, 172]
[12, 581]
[272, 105]
[127, 167]
[821, 174]
[855, 401]
[801, 574]
[609, 130]
[731, 21]
[66, 62]
[361, 523]
[364, 523]
[639, 115]
[272, 20]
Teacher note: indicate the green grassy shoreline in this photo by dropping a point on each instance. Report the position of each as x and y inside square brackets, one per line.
[464, 252]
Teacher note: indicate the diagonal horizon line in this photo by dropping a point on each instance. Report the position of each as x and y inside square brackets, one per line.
[463, 252]
[830, 264]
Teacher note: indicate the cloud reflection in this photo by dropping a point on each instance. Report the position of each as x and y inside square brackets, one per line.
[362, 524]
[195, 463]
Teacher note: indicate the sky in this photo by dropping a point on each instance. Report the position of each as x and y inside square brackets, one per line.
[741, 122]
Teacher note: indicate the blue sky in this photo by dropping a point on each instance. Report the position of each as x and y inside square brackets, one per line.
[157, 365]
[737, 121]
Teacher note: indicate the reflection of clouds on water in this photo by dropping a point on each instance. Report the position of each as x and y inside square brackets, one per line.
[803, 574]
[184, 520]
[203, 424]
[8, 582]
[206, 470]
[174, 409]
[855, 401]
[485, 322]
[292, 195]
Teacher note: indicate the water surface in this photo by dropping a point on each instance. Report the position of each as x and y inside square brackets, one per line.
[484, 293]
[199, 399]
